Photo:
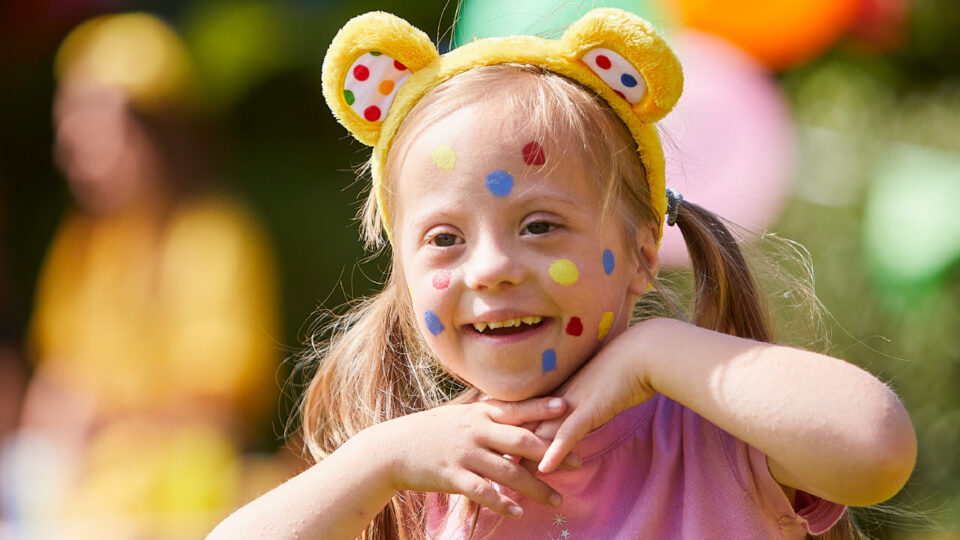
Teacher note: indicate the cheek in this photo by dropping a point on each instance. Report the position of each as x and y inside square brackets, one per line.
[432, 301]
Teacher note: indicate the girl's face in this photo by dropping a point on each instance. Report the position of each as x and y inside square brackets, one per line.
[515, 282]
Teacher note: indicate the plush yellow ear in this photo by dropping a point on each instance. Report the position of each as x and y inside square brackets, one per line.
[630, 58]
[368, 61]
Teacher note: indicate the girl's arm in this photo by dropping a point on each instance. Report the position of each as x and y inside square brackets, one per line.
[827, 427]
[452, 449]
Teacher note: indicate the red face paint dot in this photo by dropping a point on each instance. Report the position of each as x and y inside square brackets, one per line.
[533, 154]
[372, 113]
[361, 72]
[575, 326]
[603, 62]
[441, 279]
[399, 66]
[619, 93]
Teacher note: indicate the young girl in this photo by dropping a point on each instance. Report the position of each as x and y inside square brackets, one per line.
[520, 184]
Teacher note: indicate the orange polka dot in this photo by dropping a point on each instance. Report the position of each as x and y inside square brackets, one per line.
[385, 87]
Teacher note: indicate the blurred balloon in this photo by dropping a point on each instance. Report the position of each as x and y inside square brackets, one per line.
[729, 142]
[546, 18]
[911, 228]
[781, 33]
[236, 45]
[881, 24]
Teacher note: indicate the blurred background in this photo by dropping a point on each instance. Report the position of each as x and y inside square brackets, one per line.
[176, 203]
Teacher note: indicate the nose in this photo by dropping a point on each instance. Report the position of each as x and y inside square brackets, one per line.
[492, 264]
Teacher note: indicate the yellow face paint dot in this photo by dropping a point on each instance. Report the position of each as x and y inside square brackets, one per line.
[605, 323]
[385, 87]
[564, 272]
[444, 157]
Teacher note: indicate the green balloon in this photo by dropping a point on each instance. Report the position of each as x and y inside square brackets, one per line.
[545, 18]
[911, 222]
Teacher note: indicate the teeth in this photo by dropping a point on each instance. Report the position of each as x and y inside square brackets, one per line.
[481, 326]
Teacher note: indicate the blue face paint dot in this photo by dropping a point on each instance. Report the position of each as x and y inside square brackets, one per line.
[433, 323]
[608, 261]
[549, 360]
[499, 183]
[628, 80]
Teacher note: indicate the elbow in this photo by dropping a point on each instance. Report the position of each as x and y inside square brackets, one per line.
[889, 461]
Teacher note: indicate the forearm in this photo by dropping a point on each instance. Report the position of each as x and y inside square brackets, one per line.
[826, 426]
[334, 499]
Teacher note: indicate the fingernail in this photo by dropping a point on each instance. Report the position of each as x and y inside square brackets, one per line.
[555, 403]
[515, 510]
[556, 500]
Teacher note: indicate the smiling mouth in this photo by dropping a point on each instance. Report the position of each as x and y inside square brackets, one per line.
[506, 328]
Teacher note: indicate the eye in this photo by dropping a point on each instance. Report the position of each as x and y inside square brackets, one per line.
[444, 240]
[539, 227]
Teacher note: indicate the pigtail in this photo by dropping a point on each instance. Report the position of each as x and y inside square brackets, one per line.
[371, 368]
[727, 298]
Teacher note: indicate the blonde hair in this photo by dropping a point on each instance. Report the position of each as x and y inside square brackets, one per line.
[374, 365]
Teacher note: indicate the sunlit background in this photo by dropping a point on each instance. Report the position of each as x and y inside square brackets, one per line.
[177, 202]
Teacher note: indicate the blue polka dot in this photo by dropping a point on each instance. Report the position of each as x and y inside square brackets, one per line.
[499, 183]
[549, 360]
[628, 80]
[433, 323]
[608, 261]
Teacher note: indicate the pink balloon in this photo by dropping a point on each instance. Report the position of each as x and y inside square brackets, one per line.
[729, 142]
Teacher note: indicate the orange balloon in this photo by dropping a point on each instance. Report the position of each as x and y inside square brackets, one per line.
[779, 33]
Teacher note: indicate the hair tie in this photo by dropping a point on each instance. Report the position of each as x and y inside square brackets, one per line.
[674, 198]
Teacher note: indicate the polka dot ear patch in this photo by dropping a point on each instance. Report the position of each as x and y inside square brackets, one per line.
[433, 323]
[617, 72]
[606, 322]
[444, 157]
[549, 360]
[564, 272]
[372, 83]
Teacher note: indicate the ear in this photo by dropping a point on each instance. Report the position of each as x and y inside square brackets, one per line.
[648, 262]
[630, 58]
[368, 61]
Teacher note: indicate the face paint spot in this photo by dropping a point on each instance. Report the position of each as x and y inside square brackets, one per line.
[444, 157]
[441, 279]
[372, 113]
[385, 87]
[602, 62]
[549, 360]
[399, 66]
[564, 272]
[533, 154]
[433, 323]
[361, 72]
[628, 80]
[348, 97]
[575, 326]
[605, 323]
[375, 53]
[608, 261]
[499, 183]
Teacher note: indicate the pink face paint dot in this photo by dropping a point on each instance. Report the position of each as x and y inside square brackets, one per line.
[533, 154]
[372, 113]
[575, 326]
[361, 72]
[603, 62]
[441, 279]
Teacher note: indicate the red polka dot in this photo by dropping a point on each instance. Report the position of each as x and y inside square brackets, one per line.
[441, 279]
[372, 113]
[619, 93]
[361, 72]
[533, 154]
[399, 66]
[602, 62]
[574, 327]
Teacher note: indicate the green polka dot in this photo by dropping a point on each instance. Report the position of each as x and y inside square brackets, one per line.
[444, 157]
[564, 272]
[375, 53]
[348, 96]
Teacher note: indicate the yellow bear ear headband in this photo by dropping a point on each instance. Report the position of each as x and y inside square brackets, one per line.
[378, 66]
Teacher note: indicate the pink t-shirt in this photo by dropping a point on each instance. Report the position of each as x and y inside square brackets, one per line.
[658, 470]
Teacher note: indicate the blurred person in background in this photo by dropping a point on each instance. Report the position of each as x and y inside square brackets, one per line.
[155, 312]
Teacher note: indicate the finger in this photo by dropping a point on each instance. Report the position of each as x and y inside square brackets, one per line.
[482, 492]
[521, 443]
[521, 412]
[511, 475]
[572, 462]
[548, 430]
[572, 430]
